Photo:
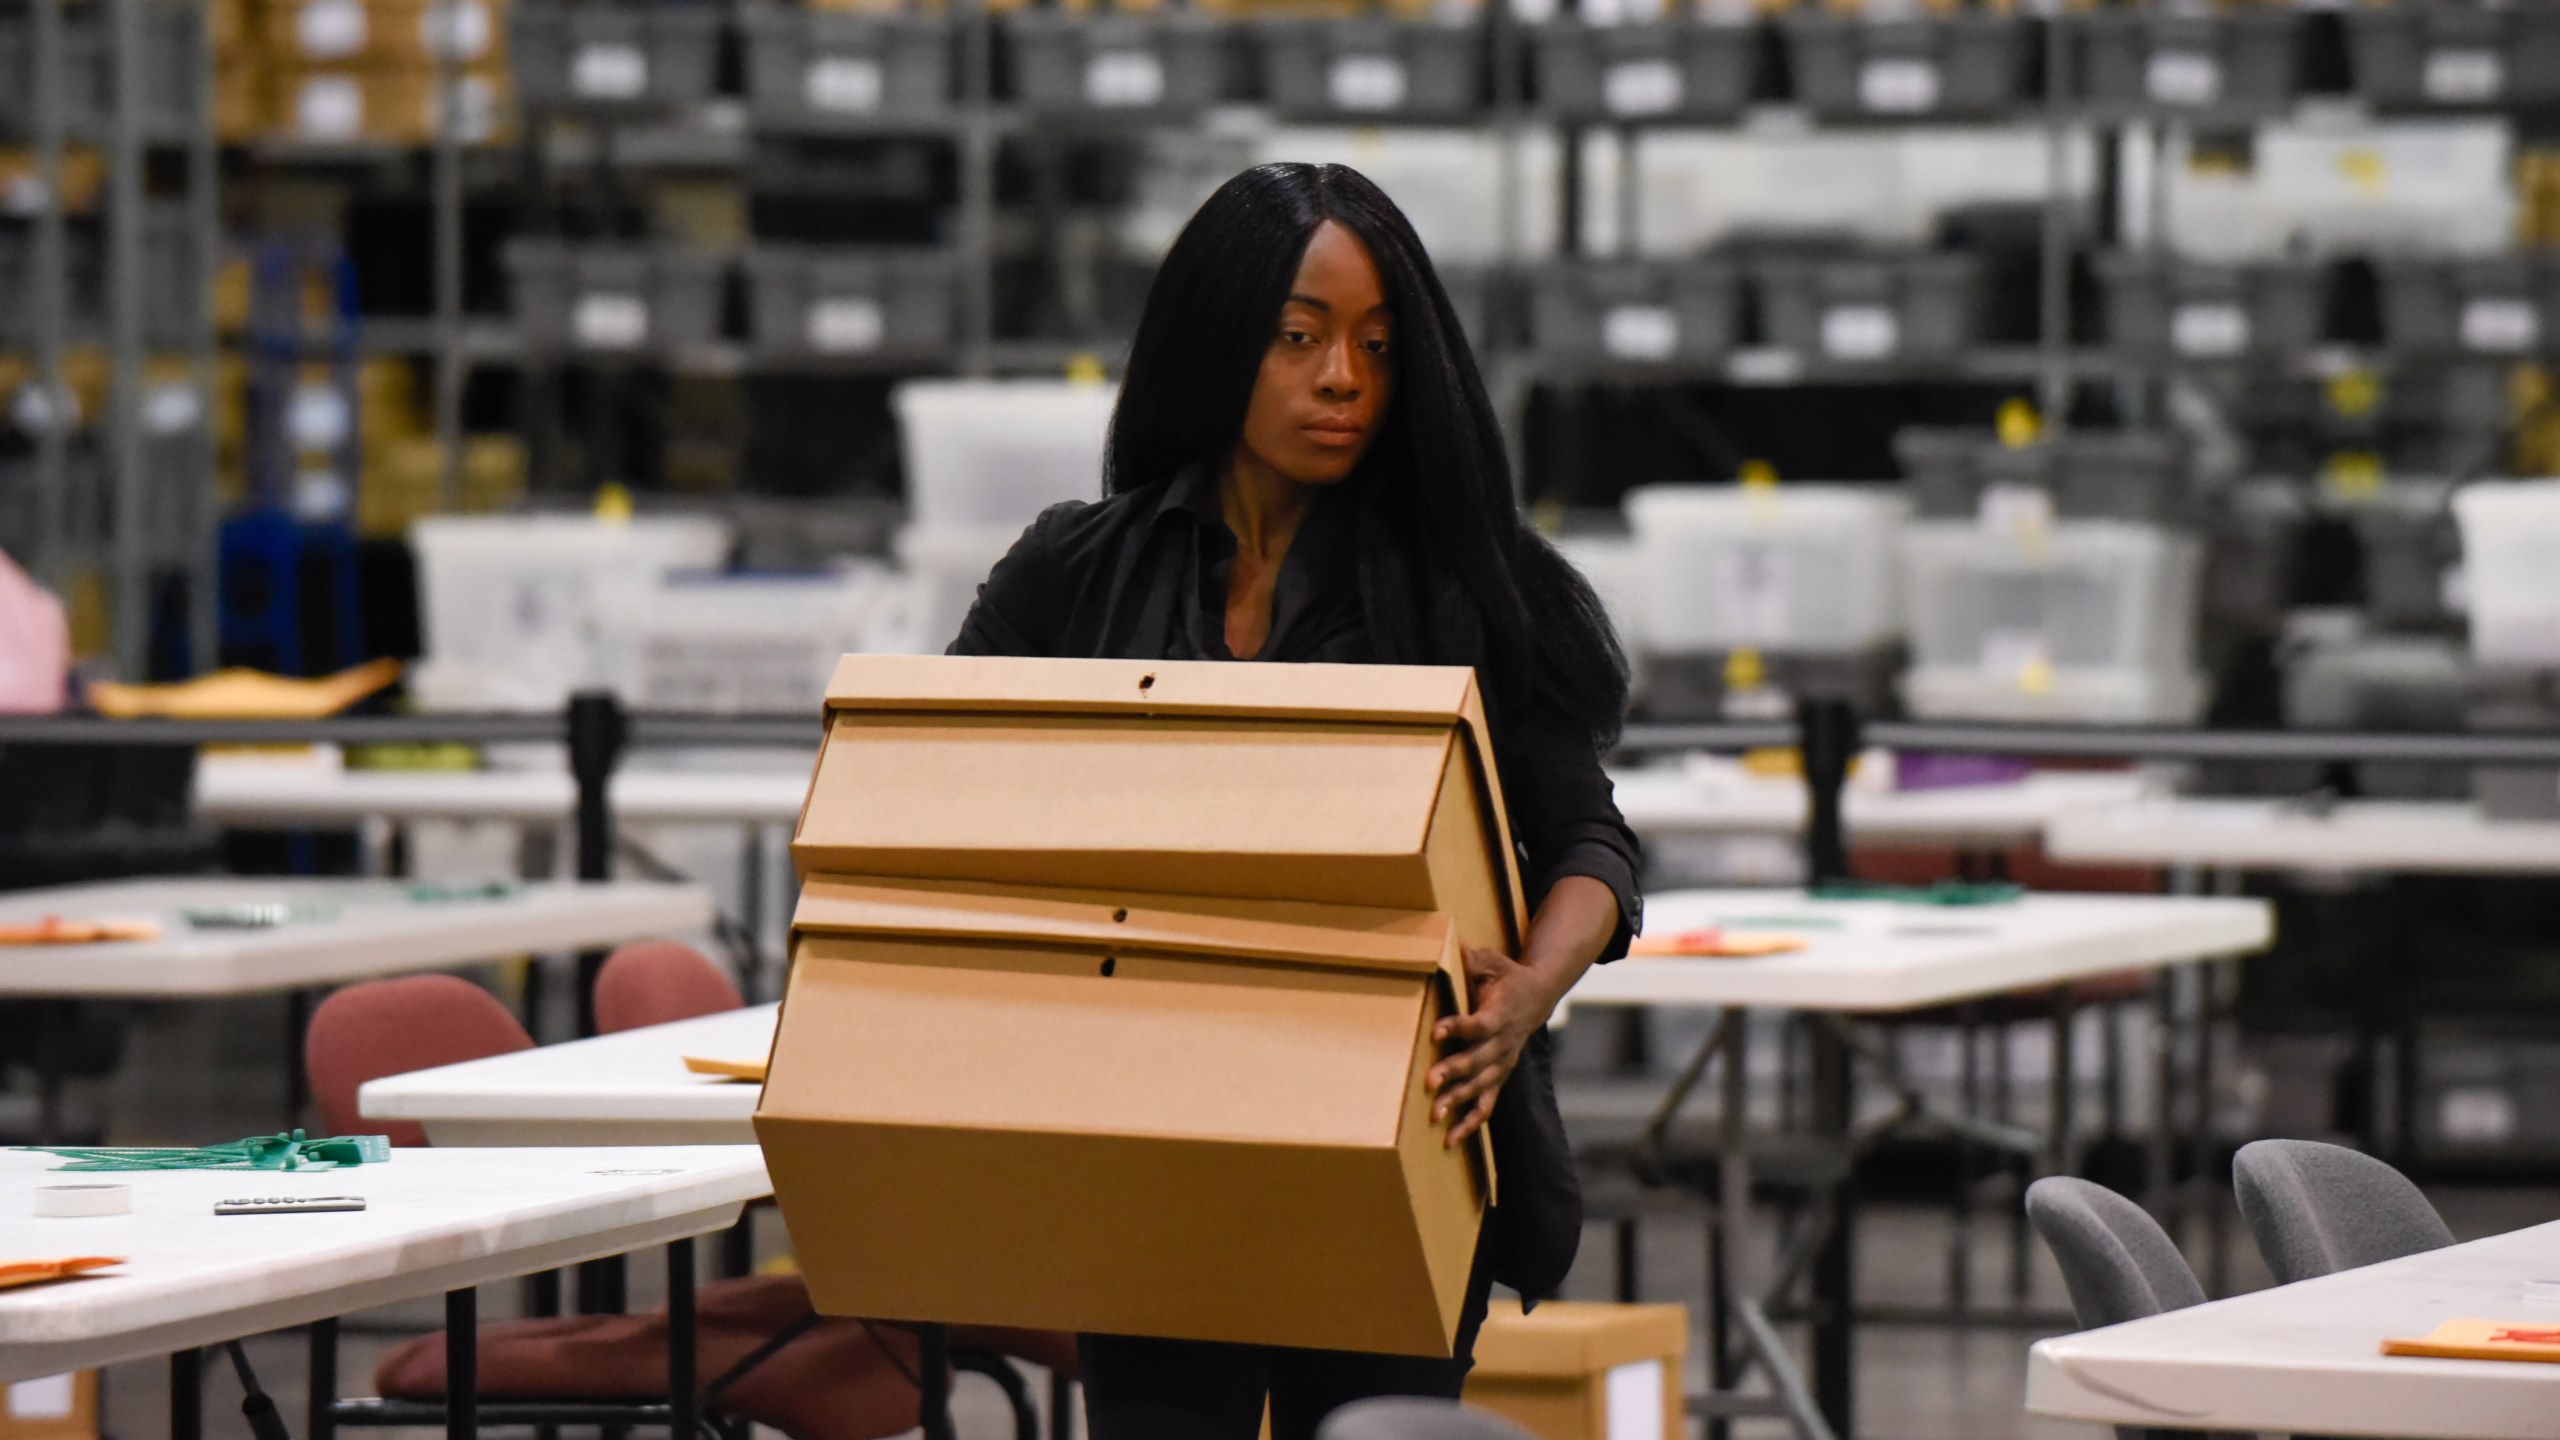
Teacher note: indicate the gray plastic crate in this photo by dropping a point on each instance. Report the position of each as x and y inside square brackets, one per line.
[1176, 63]
[1939, 470]
[608, 57]
[2084, 475]
[173, 67]
[84, 304]
[813, 69]
[817, 303]
[2491, 305]
[2424, 54]
[2407, 534]
[614, 301]
[1635, 311]
[1965, 64]
[1871, 309]
[2407, 683]
[1679, 70]
[2504, 701]
[173, 278]
[2165, 310]
[2231, 61]
[1692, 687]
[82, 75]
[1372, 69]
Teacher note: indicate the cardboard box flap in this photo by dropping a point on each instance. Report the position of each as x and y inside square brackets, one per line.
[1328, 935]
[1567, 1339]
[990, 684]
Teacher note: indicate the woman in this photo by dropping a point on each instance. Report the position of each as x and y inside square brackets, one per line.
[1304, 467]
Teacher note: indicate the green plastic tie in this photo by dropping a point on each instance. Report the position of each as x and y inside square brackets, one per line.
[291, 1150]
[1950, 893]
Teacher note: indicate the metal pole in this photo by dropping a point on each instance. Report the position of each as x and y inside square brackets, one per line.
[322, 1406]
[976, 231]
[1835, 1295]
[131, 547]
[462, 1364]
[186, 1395]
[596, 735]
[447, 28]
[203, 514]
[684, 1401]
[2054, 314]
[1828, 737]
[52, 282]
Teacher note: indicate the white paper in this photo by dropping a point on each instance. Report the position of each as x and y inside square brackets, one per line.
[2183, 77]
[1898, 86]
[1639, 332]
[2209, 330]
[609, 72]
[1366, 82]
[849, 325]
[328, 107]
[329, 29]
[1123, 79]
[1860, 332]
[1641, 87]
[607, 321]
[1634, 1392]
[842, 84]
[1753, 584]
[2464, 77]
[2499, 325]
[51, 1398]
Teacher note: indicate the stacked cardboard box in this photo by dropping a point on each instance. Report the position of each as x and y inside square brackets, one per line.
[60, 1407]
[1569, 1371]
[359, 71]
[1113, 998]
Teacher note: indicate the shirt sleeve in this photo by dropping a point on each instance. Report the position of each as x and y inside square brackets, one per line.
[1019, 603]
[1564, 817]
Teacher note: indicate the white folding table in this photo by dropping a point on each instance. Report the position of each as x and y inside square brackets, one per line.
[435, 1222]
[249, 794]
[2444, 836]
[2305, 1359]
[1669, 800]
[625, 1089]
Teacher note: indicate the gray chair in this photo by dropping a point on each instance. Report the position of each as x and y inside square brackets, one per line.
[1408, 1419]
[2116, 1260]
[2318, 1209]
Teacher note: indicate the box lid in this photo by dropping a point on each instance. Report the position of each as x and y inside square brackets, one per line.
[1568, 1339]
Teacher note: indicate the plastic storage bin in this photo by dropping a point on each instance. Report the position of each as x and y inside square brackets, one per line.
[2421, 54]
[511, 607]
[1678, 71]
[1792, 568]
[817, 69]
[606, 57]
[2230, 61]
[174, 312]
[629, 301]
[2084, 475]
[1963, 64]
[2409, 543]
[1871, 309]
[991, 455]
[1173, 63]
[2511, 569]
[2507, 699]
[81, 76]
[2503, 305]
[2411, 683]
[1373, 69]
[2092, 620]
[740, 643]
[1636, 311]
[2165, 310]
[820, 303]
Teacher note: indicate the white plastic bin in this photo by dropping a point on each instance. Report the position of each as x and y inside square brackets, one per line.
[1793, 567]
[2091, 619]
[993, 454]
[740, 643]
[511, 606]
[2511, 569]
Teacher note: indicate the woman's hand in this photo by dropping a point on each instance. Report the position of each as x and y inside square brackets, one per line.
[1508, 1002]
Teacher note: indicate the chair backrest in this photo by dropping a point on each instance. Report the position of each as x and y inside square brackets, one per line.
[2317, 1209]
[391, 1027]
[2116, 1261]
[1403, 1418]
[650, 982]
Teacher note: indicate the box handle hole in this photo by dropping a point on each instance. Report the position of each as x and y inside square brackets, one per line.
[1146, 682]
[1119, 917]
[1109, 965]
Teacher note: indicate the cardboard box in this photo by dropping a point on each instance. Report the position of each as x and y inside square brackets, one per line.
[331, 105]
[1572, 1371]
[1112, 998]
[1337, 784]
[59, 1407]
[384, 32]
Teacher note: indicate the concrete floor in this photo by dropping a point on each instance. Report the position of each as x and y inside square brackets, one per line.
[211, 1072]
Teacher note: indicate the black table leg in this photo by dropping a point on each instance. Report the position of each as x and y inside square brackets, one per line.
[462, 1364]
[186, 1395]
[684, 1398]
[322, 1411]
[297, 1026]
[1835, 1297]
[933, 1381]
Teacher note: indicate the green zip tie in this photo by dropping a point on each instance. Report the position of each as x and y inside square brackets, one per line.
[440, 894]
[284, 1151]
[1950, 893]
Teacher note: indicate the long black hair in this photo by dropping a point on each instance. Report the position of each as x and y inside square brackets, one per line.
[1483, 588]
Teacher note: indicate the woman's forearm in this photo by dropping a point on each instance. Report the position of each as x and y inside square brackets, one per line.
[1573, 925]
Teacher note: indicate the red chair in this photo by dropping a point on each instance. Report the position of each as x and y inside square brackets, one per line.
[391, 1027]
[652, 982]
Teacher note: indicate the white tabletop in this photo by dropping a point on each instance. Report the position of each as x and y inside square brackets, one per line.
[2288, 835]
[1875, 955]
[2306, 1358]
[436, 1220]
[626, 1089]
[1677, 799]
[372, 928]
[254, 794]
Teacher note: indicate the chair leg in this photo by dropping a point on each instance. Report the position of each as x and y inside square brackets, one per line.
[1062, 1407]
[1969, 1102]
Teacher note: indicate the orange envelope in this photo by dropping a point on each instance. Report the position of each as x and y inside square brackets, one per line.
[54, 930]
[14, 1273]
[1714, 944]
[2484, 1340]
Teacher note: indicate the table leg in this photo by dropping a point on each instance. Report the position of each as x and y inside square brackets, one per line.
[684, 1399]
[933, 1381]
[751, 913]
[297, 1028]
[462, 1364]
[2158, 1158]
[2211, 1194]
[1969, 1103]
[1727, 1266]
[1834, 1264]
[186, 1395]
[322, 1409]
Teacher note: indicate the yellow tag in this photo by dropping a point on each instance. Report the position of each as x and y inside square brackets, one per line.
[2036, 677]
[1757, 475]
[2019, 425]
[1085, 368]
[2352, 474]
[2364, 169]
[2354, 393]
[1744, 671]
[613, 502]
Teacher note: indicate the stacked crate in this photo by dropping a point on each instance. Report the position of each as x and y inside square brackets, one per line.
[353, 72]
